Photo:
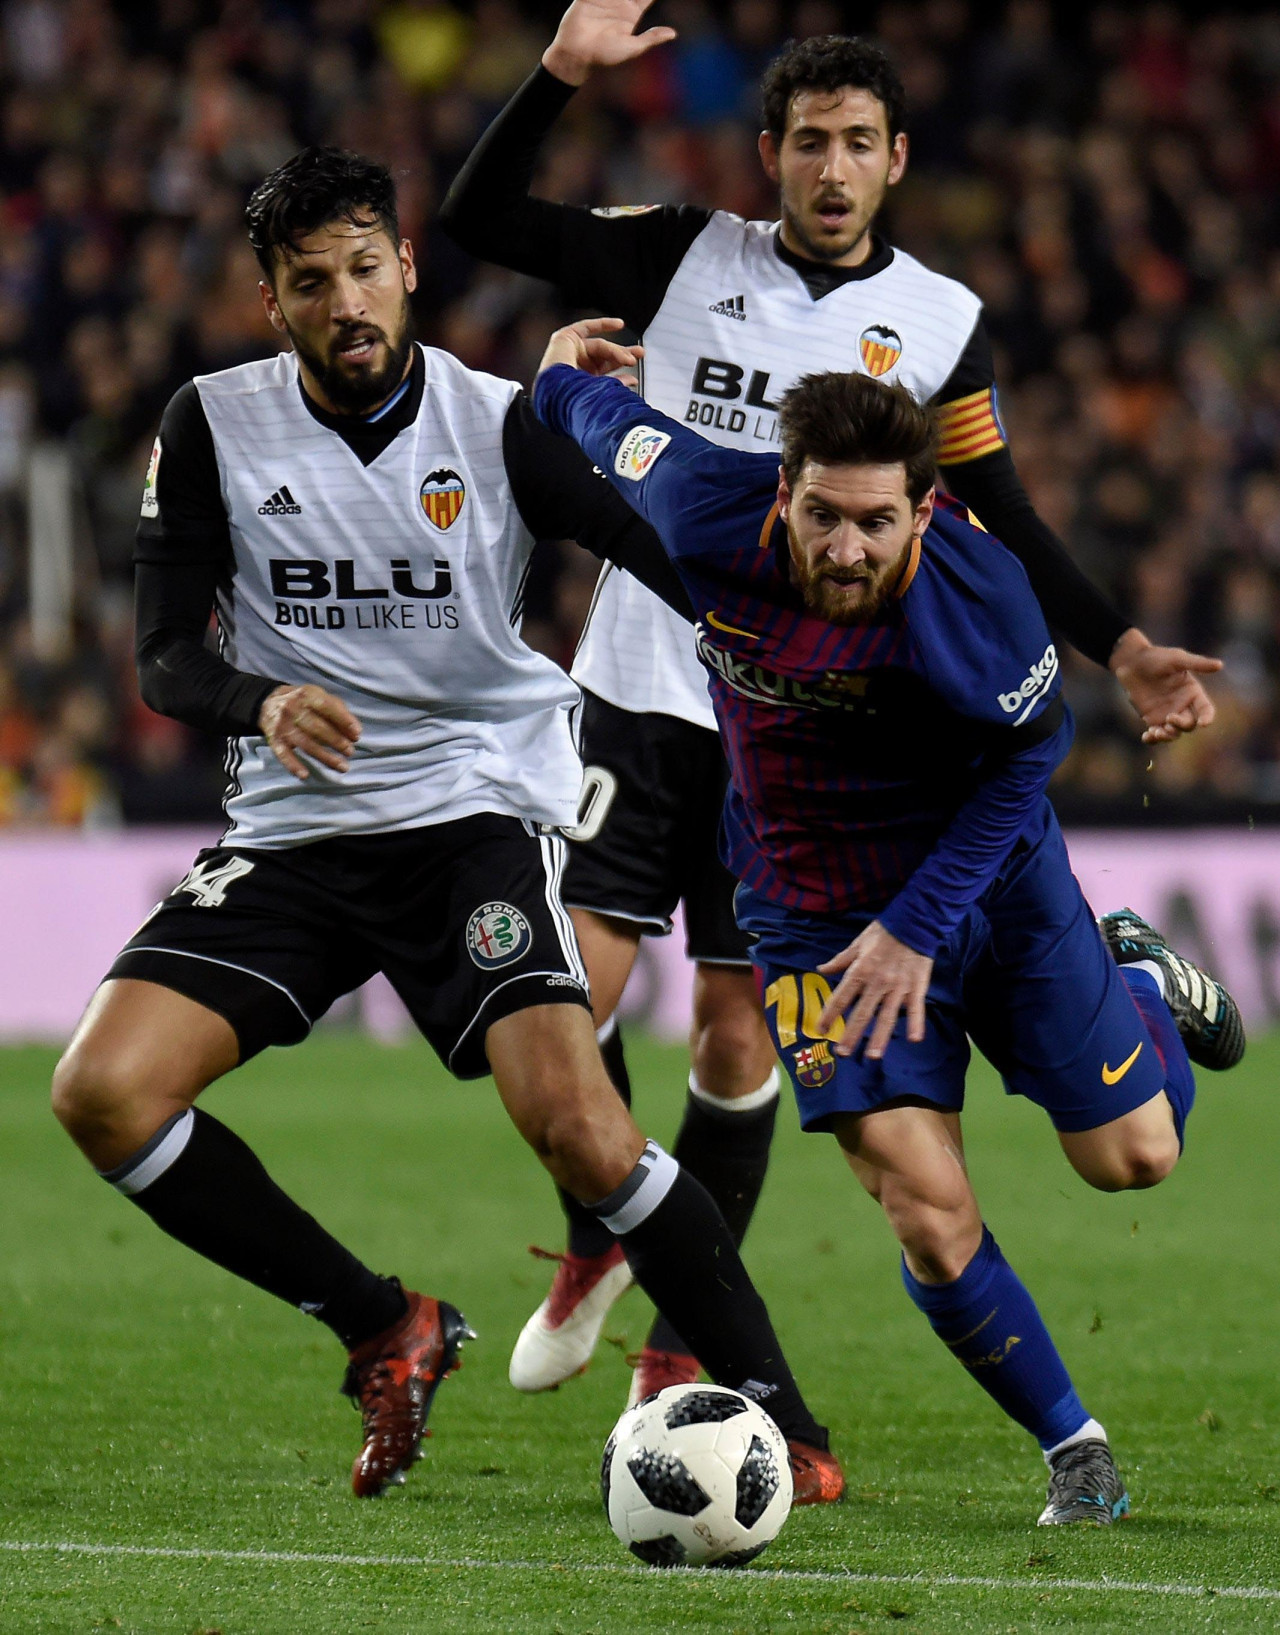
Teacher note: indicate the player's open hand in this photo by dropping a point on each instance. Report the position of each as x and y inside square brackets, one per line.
[1163, 686]
[882, 977]
[600, 34]
[299, 721]
[583, 346]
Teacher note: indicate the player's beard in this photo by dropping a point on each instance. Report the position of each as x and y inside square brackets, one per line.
[825, 589]
[858, 224]
[358, 388]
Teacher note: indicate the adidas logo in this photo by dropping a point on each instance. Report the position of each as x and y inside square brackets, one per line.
[731, 307]
[280, 504]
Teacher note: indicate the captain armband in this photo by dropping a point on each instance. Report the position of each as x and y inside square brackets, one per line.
[969, 427]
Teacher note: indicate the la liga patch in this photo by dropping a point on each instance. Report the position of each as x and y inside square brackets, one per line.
[497, 935]
[150, 500]
[638, 450]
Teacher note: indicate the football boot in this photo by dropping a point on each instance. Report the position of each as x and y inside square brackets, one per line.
[1084, 1486]
[1204, 1012]
[653, 1371]
[816, 1475]
[392, 1379]
[557, 1341]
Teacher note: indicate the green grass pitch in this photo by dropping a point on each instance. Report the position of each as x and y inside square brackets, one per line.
[185, 1432]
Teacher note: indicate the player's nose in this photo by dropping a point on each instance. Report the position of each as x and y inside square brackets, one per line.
[347, 301]
[847, 549]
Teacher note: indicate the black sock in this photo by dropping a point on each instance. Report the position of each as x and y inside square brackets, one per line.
[201, 1184]
[729, 1153]
[683, 1257]
[587, 1236]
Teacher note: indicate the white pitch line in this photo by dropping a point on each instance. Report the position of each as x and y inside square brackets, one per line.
[749, 1575]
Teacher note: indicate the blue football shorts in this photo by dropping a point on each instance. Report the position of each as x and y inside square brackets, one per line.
[1025, 976]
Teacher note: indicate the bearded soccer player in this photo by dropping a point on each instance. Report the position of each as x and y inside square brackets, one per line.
[890, 704]
[361, 511]
[732, 313]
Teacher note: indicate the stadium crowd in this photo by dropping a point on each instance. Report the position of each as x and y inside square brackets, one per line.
[1103, 178]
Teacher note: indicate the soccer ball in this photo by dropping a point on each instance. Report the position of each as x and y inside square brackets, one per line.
[696, 1476]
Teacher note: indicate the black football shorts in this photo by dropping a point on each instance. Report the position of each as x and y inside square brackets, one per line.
[648, 824]
[464, 918]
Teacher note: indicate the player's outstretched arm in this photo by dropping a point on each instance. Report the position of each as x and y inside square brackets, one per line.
[1162, 682]
[665, 471]
[600, 34]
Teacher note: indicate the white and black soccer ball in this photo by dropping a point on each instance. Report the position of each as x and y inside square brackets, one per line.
[696, 1476]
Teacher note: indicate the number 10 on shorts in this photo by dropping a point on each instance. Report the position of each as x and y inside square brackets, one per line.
[799, 1001]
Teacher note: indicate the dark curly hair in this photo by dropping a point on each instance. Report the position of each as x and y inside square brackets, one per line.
[316, 186]
[840, 419]
[827, 62]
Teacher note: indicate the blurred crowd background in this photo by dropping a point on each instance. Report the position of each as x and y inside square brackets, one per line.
[1103, 176]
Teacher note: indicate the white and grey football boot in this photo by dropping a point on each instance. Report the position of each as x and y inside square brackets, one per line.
[1206, 1015]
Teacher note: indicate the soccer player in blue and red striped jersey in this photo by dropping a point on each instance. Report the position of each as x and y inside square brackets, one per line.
[890, 703]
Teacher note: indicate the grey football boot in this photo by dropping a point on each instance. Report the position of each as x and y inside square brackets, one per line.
[1084, 1486]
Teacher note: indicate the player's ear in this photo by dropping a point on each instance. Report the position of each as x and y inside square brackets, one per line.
[272, 306]
[784, 495]
[407, 265]
[898, 158]
[767, 147]
[923, 514]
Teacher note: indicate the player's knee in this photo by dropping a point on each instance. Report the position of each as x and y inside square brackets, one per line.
[731, 1052]
[92, 1093]
[939, 1242]
[1140, 1162]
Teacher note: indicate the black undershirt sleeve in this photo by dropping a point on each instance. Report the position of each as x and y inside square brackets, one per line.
[182, 556]
[993, 491]
[560, 495]
[620, 264]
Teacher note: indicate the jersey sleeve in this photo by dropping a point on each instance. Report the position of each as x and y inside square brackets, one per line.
[183, 553]
[973, 451]
[618, 260]
[561, 495]
[693, 493]
[988, 658]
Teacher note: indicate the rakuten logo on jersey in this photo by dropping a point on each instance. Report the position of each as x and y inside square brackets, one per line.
[1034, 687]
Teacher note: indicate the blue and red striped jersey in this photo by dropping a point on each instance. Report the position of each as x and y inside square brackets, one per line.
[885, 769]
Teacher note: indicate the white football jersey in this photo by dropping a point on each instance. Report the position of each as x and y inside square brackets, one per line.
[395, 587]
[737, 328]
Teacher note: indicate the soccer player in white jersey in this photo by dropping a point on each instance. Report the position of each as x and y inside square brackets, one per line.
[731, 314]
[361, 512]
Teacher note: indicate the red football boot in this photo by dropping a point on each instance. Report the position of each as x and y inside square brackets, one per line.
[815, 1474]
[393, 1378]
[655, 1370]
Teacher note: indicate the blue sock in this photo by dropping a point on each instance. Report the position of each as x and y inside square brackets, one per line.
[991, 1323]
[1179, 1080]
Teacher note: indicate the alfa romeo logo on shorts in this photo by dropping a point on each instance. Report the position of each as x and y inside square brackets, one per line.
[497, 935]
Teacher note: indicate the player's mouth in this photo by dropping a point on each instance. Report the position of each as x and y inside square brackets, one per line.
[833, 213]
[357, 348]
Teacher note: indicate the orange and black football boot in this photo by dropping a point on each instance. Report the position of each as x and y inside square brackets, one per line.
[392, 1378]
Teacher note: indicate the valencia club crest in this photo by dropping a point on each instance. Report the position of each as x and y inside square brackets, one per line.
[442, 494]
[881, 347]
